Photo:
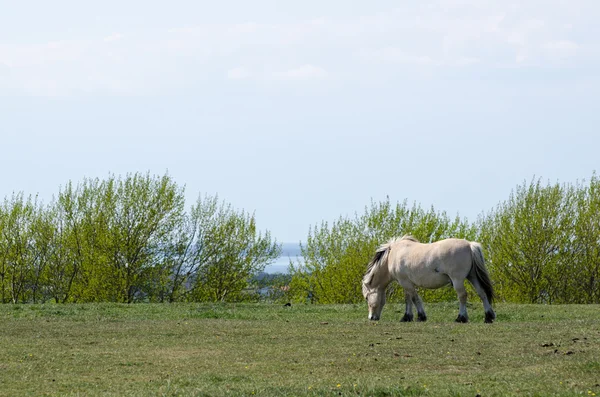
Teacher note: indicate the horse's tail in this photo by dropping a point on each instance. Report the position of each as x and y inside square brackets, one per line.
[480, 271]
[379, 259]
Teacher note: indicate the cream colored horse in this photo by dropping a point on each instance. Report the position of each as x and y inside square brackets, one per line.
[413, 264]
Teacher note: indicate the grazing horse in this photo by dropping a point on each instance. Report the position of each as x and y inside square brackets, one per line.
[414, 264]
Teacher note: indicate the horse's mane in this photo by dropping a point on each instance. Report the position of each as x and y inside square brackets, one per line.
[380, 257]
[377, 257]
[384, 247]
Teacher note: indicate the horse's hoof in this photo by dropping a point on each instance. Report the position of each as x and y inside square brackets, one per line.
[490, 317]
[422, 317]
[462, 319]
[407, 318]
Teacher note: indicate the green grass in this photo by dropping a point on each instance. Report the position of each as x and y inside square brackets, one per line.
[263, 349]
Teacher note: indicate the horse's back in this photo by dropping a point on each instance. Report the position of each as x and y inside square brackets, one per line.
[426, 263]
[451, 248]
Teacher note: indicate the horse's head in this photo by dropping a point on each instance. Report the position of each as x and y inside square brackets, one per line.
[375, 300]
[376, 279]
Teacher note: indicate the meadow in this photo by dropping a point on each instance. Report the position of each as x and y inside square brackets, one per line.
[299, 350]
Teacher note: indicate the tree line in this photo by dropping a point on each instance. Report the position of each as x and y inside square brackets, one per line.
[542, 245]
[131, 239]
[127, 239]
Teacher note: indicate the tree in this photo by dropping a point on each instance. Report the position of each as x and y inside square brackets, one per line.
[584, 277]
[528, 238]
[23, 248]
[219, 250]
[72, 241]
[127, 239]
[109, 237]
[144, 213]
[79, 271]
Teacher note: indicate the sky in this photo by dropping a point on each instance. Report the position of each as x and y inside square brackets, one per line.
[302, 112]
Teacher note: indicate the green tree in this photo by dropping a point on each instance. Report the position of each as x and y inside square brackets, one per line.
[222, 250]
[584, 274]
[110, 235]
[23, 248]
[127, 239]
[81, 216]
[64, 247]
[528, 238]
[145, 211]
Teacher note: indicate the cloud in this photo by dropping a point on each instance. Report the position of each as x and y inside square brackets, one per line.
[84, 66]
[357, 44]
[304, 72]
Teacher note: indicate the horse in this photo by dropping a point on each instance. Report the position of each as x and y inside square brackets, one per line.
[413, 264]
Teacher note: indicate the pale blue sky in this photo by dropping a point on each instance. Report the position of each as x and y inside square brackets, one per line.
[302, 111]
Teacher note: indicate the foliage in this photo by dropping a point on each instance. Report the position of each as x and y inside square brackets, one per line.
[277, 280]
[124, 240]
[271, 287]
[526, 237]
[24, 249]
[542, 243]
[224, 250]
[585, 246]
[130, 239]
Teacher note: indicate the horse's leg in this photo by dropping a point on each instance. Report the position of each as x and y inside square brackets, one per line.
[459, 287]
[490, 316]
[408, 312]
[421, 316]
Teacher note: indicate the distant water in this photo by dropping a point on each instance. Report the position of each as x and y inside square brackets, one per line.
[281, 264]
[289, 251]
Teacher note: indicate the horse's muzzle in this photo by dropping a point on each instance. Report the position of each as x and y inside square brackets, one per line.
[373, 317]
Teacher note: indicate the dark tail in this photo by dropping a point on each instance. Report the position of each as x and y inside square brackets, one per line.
[481, 271]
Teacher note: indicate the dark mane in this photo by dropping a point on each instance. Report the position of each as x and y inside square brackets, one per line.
[380, 255]
[376, 259]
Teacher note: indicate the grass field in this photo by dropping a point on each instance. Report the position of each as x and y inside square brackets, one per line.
[269, 349]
